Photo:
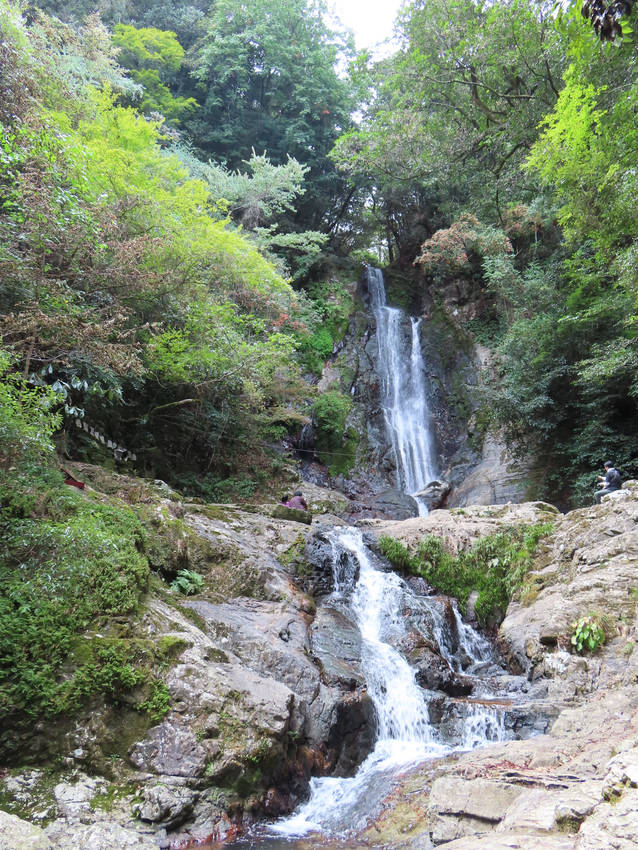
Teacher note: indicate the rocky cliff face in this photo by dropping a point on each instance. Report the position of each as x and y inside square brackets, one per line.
[266, 689]
[472, 457]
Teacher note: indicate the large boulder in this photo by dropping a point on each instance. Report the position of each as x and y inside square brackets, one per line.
[434, 494]
[394, 504]
[490, 476]
[328, 569]
[591, 566]
[101, 835]
[18, 834]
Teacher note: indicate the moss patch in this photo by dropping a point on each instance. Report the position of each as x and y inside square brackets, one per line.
[294, 558]
[114, 793]
[59, 578]
[495, 566]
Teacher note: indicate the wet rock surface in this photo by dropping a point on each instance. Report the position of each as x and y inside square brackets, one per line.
[573, 785]
[266, 692]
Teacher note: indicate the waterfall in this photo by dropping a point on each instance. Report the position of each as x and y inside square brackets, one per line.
[377, 604]
[389, 615]
[403, 392]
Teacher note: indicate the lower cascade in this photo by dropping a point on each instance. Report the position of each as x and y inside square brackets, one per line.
[383, 606]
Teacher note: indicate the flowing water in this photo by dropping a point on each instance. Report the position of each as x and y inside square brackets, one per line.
[388, 613]
[377, 603]
[401, 371]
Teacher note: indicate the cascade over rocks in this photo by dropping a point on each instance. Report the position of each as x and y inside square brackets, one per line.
[266, 691]
[255, 706]
[574, 786]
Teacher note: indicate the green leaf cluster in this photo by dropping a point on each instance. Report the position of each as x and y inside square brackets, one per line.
[154, 57]
[495, 567]
[188, 582]
[587, 634]
[158, 703]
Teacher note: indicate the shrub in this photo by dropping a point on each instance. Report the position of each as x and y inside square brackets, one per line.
[330, 412]
[315, 349]
[67, 560]
[495, 566]
[336, 445]
[159, 702]
[587, 634]
[188, 582]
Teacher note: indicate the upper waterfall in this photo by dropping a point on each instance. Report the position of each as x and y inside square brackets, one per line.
[403, 392]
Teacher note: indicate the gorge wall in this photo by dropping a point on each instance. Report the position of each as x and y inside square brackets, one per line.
[471, 454]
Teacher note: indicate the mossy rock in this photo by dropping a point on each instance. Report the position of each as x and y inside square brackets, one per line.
[292, 514]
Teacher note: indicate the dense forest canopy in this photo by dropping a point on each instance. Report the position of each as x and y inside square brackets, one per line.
[180, 182]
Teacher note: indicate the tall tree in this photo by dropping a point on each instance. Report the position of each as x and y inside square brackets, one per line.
[154, 58]
[269, 82]
[460, 103]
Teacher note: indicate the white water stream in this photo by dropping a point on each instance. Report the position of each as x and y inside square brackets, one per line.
[384, 609]
[403, 392]
[404, 734]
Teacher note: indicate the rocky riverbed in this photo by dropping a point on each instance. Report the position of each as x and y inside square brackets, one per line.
[266, 690]
[575, 787]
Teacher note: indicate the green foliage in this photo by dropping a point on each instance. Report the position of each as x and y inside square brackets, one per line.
[110, 671]
[118, 272]
[297, 252]
[570, 356]
[70, 561]
[67, 561]
[587, 634]
[268, 81]
[336, 444]
[495, 566]
[188, 582]
[258, 193]
[316, 348]
[325, 316]
[399, 555]
[158, 703]
[487, 330]
[27, 422]
[154, 58]
[330, 412]
[455, 110]
[61, 573]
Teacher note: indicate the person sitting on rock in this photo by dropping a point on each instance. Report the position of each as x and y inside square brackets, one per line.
[609, 483]
[297, 501]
